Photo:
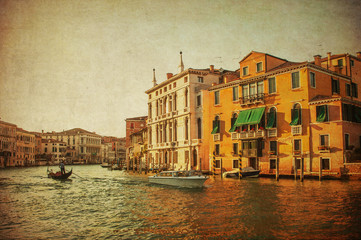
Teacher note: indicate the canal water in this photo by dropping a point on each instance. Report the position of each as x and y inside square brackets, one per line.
[100, 204]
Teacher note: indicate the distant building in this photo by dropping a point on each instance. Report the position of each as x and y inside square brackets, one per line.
[7, 144]
[25, 148]
[133, 125]
[87, 145]
[138, 150]
[113, 150]
[55, 148]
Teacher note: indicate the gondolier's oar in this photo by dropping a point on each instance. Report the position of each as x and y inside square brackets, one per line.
[78, 175]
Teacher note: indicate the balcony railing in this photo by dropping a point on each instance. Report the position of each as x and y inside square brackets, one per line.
[323, 148]
[296, 153]
[296, 130]
[252, 99]
[272, 132]
[235, 135]
[251, 134]
[196, 141]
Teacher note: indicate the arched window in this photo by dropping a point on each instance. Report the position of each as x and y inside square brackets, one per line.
[175, 130]
[296, 115]
[272, 118]
[199, 128]
[186, 98]
[150, 110]
[186, 129]
[175, 102]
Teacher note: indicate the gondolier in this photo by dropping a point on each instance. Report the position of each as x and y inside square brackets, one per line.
[62, 167]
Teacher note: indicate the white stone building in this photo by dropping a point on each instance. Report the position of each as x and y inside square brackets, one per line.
[175, 119]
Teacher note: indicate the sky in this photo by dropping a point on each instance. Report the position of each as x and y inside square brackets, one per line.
[86, 64]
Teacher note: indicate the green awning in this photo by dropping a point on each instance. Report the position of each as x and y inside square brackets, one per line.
[250, 116]
[295, 117]
[271, 119]
[233, 126]
[321, 115]
[215, 127]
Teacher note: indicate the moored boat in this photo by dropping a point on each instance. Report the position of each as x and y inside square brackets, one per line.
[246, 172]
[59, 175]
[189, 179]
[106, 165]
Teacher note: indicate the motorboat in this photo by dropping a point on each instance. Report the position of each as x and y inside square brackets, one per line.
[246, 172]
[188, 179]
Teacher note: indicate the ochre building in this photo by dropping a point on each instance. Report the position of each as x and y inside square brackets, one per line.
[288, 115]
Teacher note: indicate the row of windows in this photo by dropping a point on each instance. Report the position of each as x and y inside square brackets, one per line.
[174, 85]
[254, 89]
[326, 163]
[259, 68]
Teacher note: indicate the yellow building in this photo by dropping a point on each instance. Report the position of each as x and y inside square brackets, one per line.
[287, 114]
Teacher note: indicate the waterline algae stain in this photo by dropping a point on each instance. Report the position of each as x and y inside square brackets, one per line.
[102, 204]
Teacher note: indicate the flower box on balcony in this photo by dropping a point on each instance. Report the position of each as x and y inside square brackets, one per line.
[323, 148]
[272, 153]
[297, 153]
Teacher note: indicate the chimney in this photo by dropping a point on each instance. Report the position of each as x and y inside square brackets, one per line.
[317, 60]
[358, 54]
[211, 68]
[329, 60]
[42, 131]
[154, 80]
[181, 65]
[169, 75]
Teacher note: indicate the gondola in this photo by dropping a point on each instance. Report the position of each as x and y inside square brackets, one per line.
[58, 175]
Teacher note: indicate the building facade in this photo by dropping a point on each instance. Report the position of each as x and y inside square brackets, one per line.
[7, 144]
[25, 148]
[138, 150]
[175, 117]
[287, 115]
[55, 148]
[87, 145]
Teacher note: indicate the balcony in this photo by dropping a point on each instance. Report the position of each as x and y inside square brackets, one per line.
[272, 132]
[196, 141]
[324, 149]
[296, 130]
[296, 153]
[252, 99]
[272, 153]
[251, 134]
[216, 137]
[235, 136]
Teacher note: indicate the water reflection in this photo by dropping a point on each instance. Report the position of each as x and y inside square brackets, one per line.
[99, 204]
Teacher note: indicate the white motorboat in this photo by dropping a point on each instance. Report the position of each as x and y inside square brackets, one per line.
[189, 179]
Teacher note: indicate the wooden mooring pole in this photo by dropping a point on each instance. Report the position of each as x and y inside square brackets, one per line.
[302, 168]
[277, 170]
[320, 172]
[295, 167]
